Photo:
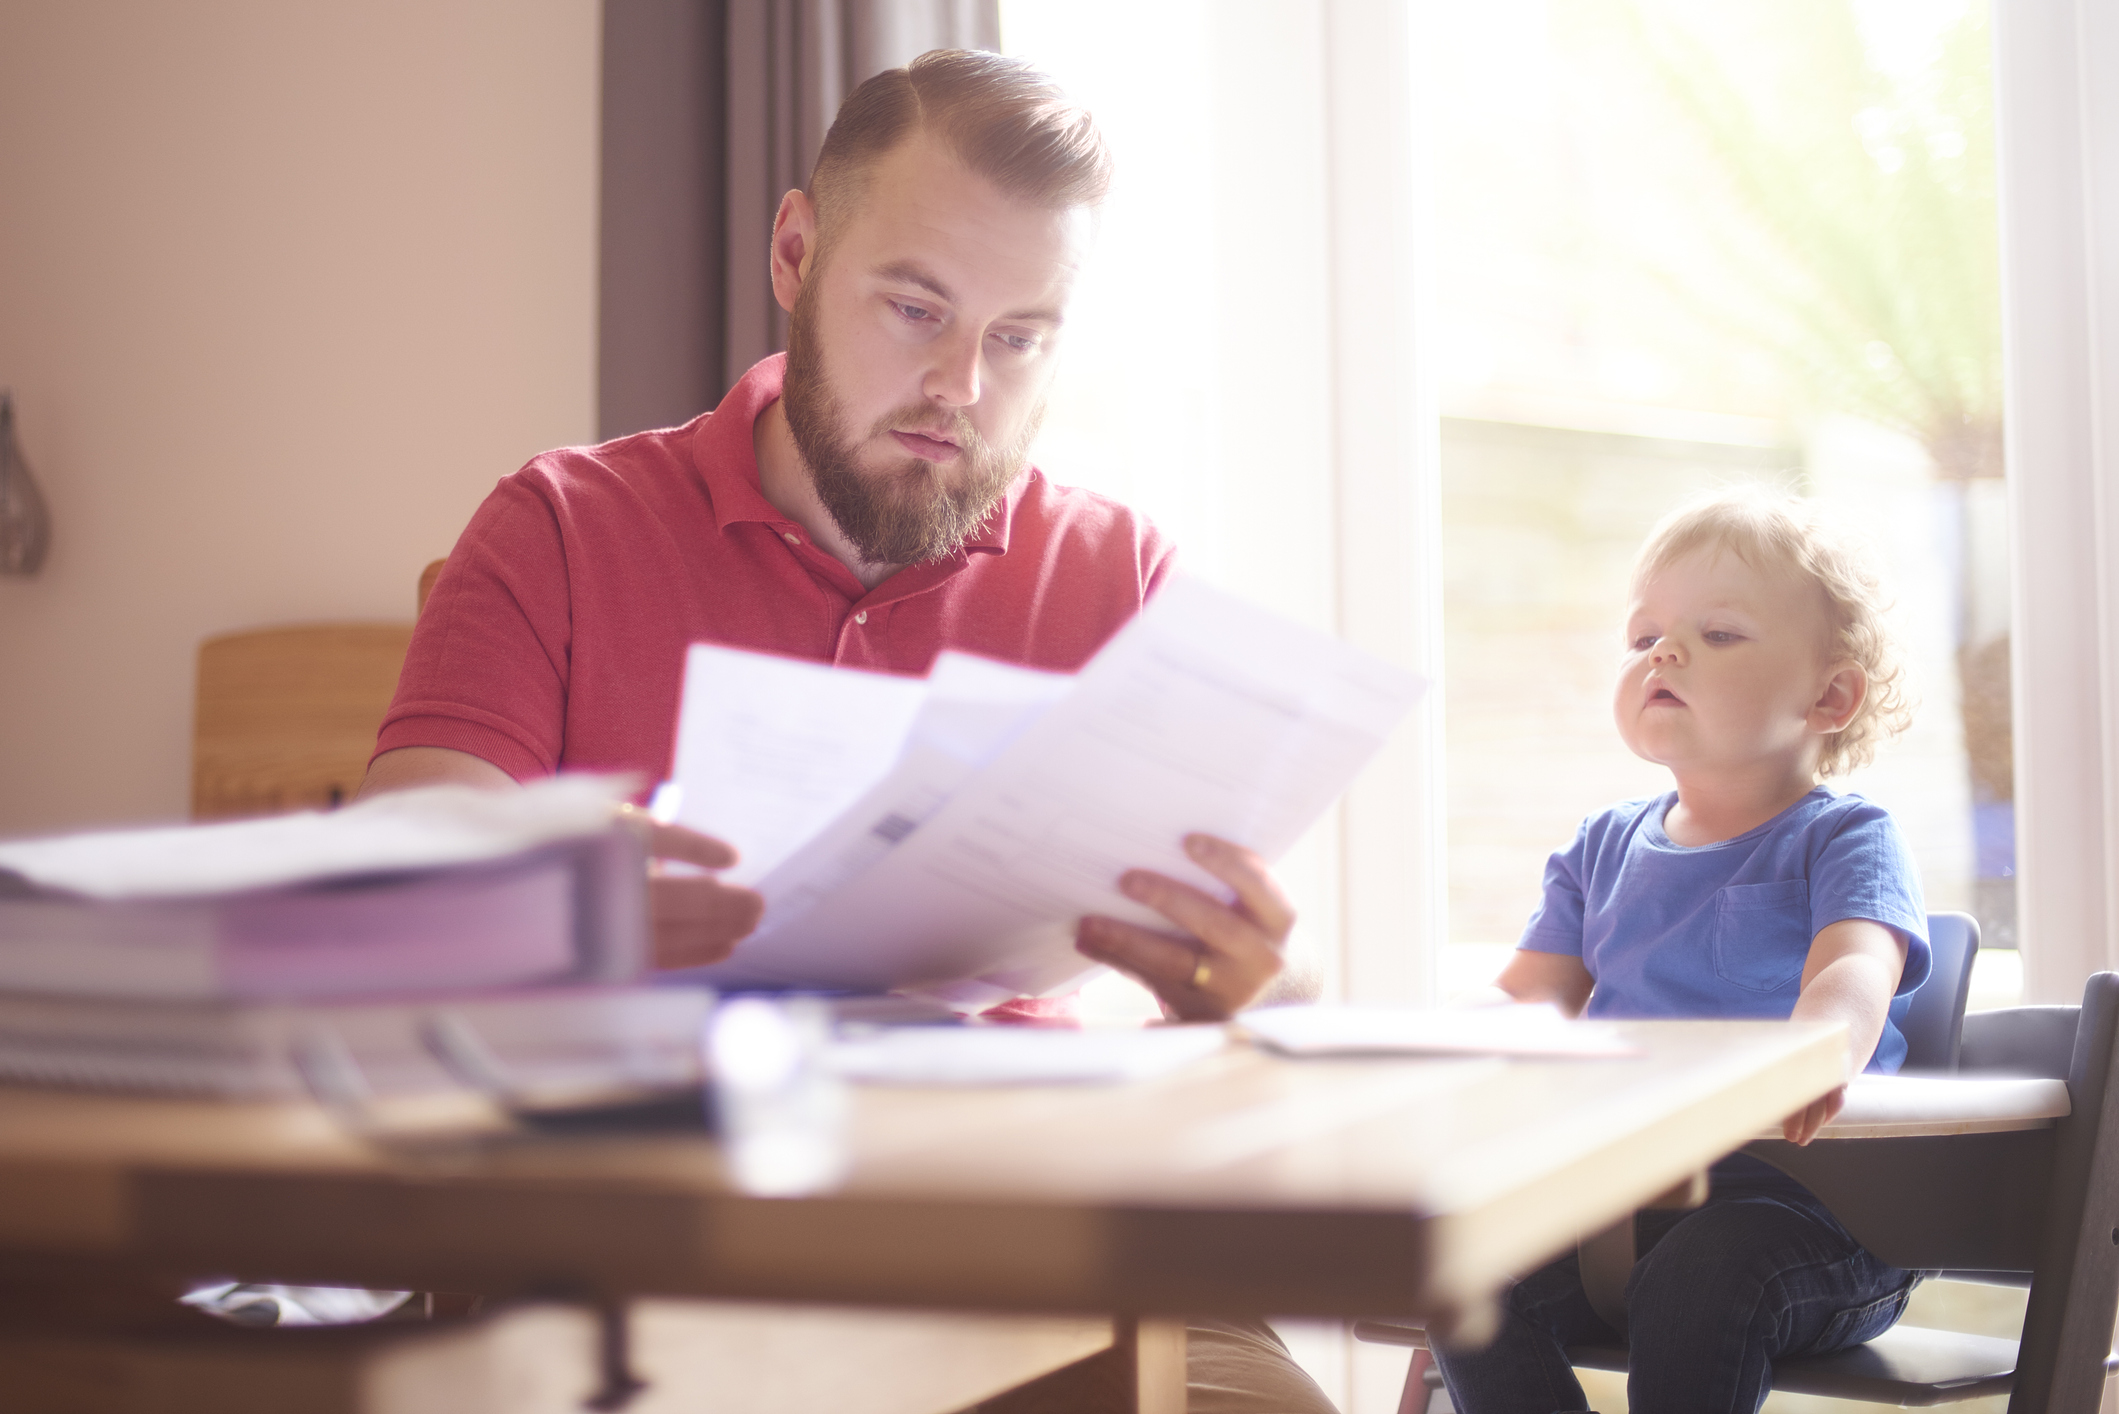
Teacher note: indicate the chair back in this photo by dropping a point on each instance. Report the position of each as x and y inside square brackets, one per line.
[287, 717]
[427, 577]
[2020, 1040]
[2067, 1326]
[1932, 1018]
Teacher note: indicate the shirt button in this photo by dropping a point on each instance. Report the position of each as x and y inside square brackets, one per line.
[790, 537]
[862, 617]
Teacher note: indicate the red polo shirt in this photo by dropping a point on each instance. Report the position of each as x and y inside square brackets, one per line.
[555, 636]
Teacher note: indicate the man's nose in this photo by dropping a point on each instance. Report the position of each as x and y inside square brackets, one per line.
[953, 378]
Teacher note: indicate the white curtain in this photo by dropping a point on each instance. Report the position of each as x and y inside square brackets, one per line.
[2058, 123]
[712, 110]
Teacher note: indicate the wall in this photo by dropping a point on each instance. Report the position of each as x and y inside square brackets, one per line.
[283, 289]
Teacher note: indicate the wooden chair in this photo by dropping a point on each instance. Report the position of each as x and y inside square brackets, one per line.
[2032, 1207]
[427, 577]
[286, 717]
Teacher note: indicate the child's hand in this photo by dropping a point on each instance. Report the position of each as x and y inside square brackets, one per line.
[1802, 1126]
[1559, 978]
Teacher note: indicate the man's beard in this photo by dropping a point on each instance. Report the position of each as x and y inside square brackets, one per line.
[902, 514]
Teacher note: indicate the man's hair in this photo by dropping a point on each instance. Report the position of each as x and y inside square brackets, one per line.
[1001, 118]
[1772, 532]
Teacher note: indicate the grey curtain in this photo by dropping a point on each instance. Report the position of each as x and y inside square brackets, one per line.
[712, 111]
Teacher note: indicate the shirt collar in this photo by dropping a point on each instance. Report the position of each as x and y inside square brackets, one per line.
[722, 452]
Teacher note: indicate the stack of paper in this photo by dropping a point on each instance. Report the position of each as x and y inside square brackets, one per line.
[446, 888]
[194, 958]
[561, 1038]
[943, 835]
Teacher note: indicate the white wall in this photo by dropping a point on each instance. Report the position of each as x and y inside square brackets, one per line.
[283, 289]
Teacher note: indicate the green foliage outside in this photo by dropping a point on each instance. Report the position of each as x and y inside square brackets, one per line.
[1858, 237]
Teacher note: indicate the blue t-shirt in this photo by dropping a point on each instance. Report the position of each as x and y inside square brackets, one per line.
[1724, 929]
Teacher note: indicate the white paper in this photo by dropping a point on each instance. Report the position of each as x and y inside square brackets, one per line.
[974, 708]
[1020, 1055]
[415, 829]
[1203, 714]
[1531, 1030]
[771, 750]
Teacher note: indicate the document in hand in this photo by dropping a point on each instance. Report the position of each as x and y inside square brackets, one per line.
[942, 836]
[445, 888]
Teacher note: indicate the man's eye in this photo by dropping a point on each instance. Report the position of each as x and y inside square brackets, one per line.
[1018, 343]
[911, 312]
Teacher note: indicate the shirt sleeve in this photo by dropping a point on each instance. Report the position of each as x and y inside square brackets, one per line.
[1865, 870]
[1556, 925]
[487, 669]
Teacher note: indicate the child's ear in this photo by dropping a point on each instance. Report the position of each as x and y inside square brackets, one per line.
[1845, 691]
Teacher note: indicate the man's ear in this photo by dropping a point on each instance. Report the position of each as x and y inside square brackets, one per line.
[794, 247]
[1845, 691]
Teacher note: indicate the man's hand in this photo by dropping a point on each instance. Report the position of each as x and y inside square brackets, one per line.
[1224, 957]
[698, 919]
[1802, 1126]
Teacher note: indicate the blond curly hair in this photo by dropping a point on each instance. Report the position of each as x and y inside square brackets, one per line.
[1770, 531]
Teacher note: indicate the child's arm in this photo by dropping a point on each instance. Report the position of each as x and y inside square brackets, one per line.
[1850, 976]
[1559, 978]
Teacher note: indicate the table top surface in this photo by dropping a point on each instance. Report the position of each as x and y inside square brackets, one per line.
[1381, 1186]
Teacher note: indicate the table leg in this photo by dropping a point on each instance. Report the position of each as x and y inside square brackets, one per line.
[1157, 1345]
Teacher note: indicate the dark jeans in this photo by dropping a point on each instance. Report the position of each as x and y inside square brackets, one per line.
[1718, 1294]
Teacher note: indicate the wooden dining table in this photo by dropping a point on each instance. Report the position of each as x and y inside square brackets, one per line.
[1243, 1183]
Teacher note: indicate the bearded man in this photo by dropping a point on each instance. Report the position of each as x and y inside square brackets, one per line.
[864, 501]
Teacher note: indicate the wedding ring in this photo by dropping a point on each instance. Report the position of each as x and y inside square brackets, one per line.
[1201, 974]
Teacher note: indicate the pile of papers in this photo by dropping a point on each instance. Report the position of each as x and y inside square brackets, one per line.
[942, 835]
[444, 888]
[194, 958]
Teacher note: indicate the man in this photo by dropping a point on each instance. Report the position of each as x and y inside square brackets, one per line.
[865, 501]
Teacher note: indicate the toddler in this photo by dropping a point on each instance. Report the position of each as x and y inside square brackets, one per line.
[1756, 663]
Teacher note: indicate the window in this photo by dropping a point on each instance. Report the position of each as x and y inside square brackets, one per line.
[1687, 243]
[1209, 358]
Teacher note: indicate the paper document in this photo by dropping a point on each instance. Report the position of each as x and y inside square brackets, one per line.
[771, 750]
[1020, 1055]
[973, 709]
[430, 828]
[1537, 1030]
[1015, 801]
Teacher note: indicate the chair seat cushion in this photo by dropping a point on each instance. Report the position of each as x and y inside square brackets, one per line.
[1880, 1106]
